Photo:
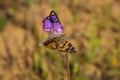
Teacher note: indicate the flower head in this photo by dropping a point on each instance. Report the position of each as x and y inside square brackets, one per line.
[52, 24]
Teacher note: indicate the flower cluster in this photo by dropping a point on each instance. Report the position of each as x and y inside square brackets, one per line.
[52, 24]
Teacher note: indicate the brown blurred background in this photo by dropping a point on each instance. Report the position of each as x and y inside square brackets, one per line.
[92, 26]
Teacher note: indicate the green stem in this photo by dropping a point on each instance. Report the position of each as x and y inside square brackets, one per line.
[67, 66]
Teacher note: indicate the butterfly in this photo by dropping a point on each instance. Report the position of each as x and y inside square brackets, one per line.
[58, 42]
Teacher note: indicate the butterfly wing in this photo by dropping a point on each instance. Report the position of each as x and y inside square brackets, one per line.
[65, 46]
[51, 44]
[52, 41]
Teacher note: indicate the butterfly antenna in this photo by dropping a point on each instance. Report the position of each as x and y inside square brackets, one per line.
[53, 13]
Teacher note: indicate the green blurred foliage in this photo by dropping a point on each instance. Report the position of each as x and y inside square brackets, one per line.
[3, 22]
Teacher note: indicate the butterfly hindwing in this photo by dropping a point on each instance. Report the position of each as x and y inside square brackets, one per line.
[66, 46]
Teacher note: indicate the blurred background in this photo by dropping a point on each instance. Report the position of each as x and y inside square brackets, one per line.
[92, 26]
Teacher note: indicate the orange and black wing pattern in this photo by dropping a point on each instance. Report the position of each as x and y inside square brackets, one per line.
[57, 42]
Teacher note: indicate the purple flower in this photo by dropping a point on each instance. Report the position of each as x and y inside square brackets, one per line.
[52, 24]
[53, 19]
[47, 25]
[58, 28]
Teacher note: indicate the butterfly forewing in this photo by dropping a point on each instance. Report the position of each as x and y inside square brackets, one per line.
[51, 44]
[52, 41]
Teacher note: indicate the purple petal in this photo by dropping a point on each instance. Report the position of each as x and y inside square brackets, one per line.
[53, 19]
[58, 28]
[47, 25]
